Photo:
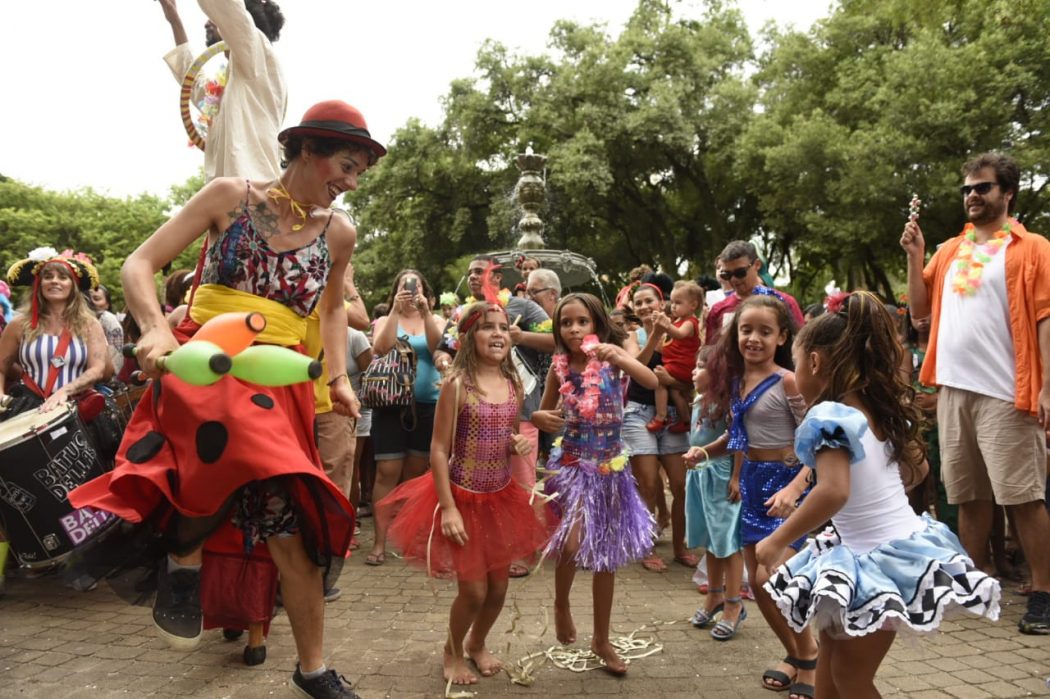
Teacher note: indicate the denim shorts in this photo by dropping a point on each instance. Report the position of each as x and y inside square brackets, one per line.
[364, 423]
[391, 436]
[641, 441]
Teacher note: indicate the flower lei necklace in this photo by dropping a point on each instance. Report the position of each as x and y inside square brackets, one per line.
[503, 298]
[973, 257]
[587, 404]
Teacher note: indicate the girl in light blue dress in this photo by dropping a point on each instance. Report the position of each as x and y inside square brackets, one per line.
[881, 568]
[712, 520]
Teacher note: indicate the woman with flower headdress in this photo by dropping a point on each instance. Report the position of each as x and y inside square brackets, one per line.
[57, 341]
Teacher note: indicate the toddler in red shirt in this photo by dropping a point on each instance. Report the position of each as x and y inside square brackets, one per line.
[683, 340]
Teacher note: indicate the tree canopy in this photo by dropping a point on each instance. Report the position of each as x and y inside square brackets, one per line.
[675, 136]
[105, 228]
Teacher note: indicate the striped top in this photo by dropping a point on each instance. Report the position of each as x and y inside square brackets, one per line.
[35, 359]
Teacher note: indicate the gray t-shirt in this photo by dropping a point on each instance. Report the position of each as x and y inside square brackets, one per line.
[356, 344]
[528, 314]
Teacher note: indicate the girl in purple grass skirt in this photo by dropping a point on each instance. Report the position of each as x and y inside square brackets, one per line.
[604, 522]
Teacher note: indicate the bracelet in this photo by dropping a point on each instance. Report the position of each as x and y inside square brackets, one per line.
[337, 378]
[707, 457]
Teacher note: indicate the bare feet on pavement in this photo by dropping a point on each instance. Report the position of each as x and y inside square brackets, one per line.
[613, 664]
[456, 669]
[487, 664]
[564, 628]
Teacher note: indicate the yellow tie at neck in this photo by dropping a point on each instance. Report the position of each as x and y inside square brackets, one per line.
[300, 211]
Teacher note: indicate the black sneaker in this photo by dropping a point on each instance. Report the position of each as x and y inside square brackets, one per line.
[332, 594]
[177, 609]
[1037, 619]
[327, 686]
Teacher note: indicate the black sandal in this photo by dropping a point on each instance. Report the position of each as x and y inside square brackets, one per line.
[254, 655]
[801, 689]
[778, 676]
[788, 683]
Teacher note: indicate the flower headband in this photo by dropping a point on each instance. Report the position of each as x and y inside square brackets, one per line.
[27, 273]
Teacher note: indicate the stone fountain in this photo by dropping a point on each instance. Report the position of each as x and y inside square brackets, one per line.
[530, 194]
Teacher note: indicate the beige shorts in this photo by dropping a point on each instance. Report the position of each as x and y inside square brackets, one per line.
[336, 441]
[989, 449]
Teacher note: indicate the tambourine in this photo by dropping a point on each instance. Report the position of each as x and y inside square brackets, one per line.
[186, 91]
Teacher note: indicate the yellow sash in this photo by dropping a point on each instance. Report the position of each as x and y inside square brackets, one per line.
[313, 345]
[283, 325]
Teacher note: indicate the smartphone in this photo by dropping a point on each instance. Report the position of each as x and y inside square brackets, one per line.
[410, 285]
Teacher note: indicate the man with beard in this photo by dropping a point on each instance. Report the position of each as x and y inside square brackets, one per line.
[987, 295]
[245, 114]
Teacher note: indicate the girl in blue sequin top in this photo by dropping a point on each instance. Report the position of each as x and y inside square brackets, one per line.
[750, 383]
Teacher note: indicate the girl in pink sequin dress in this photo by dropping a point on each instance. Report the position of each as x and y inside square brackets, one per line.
[467, 515]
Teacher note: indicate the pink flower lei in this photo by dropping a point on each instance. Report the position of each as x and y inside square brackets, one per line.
[587, 404]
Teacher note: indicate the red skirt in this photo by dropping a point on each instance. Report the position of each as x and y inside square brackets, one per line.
[190, 448]
[236, 591]
[501, 526]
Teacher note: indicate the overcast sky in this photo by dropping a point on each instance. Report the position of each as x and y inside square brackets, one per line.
[88, 101]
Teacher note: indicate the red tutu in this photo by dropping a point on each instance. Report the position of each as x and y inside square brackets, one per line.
[502, 527]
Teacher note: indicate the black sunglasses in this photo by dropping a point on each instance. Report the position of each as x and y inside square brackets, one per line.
[981, 188]
[739, 273]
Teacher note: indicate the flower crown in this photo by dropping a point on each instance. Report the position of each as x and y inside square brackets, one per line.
[27, 273]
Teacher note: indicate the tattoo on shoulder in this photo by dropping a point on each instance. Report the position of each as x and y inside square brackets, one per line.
[264, 219]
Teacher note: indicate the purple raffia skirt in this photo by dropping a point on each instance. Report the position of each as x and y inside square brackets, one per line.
[616, 528]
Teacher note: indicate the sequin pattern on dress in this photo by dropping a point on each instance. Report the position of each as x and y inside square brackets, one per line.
[479, 459]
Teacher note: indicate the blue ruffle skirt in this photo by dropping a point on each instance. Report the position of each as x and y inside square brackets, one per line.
[904, 584]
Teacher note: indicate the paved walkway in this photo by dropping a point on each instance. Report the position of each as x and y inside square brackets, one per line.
[387, 629]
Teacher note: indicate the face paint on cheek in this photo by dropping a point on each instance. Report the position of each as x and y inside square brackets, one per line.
[325, 168]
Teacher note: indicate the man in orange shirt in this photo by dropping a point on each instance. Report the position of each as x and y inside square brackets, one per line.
[987, 295]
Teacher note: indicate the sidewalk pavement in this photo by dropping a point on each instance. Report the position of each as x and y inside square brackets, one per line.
[387, 629]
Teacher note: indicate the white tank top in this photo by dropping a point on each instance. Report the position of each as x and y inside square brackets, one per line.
[35, 358]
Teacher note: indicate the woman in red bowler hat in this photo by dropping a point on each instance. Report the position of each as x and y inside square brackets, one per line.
[236, 457]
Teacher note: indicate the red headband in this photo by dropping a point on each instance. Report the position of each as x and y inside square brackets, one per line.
[654, 287]
[468, 322]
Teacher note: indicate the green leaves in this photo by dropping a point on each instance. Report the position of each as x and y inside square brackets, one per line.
[105, 228]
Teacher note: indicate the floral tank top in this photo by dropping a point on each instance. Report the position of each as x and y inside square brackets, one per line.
[480, 459]
[596, 438]
[241, 259]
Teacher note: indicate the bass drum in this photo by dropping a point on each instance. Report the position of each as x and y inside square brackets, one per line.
[43, 456]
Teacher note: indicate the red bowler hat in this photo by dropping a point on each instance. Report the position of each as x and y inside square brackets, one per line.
[335, 119]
